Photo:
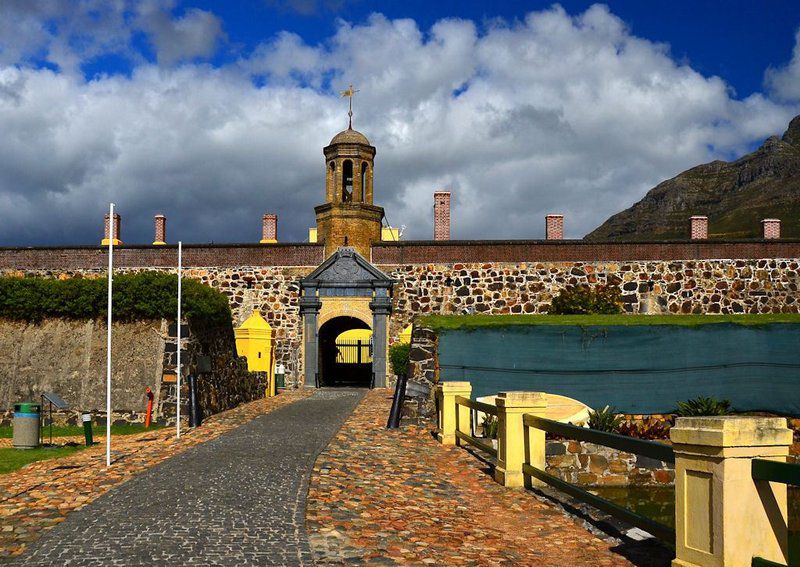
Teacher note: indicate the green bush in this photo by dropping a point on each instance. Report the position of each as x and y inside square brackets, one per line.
[605, 419]
[702, 406]
[398, 356]
[138, 296]
[490, 425]
[585, 300]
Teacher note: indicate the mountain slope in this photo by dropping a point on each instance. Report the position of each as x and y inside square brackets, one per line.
[735, 196]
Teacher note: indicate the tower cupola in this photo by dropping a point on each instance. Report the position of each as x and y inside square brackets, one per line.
[349, 217]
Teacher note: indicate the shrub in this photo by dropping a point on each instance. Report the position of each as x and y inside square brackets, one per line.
[605, 419]
[585, 300]
[649, 429]
[489, 425]
[138, 296]
[702, 406]
[398, 356]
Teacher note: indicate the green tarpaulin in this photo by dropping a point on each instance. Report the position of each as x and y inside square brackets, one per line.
[637, 369]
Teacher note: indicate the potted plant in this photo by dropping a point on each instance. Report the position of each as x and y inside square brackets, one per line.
[489, 425]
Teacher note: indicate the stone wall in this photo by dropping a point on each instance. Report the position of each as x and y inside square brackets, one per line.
[273, 290]
[69, 359]
[691, 286]
[589, 464]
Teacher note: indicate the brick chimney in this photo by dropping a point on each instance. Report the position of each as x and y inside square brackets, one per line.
[269, 229]
[771, 228]
[554, 227]
[699, 228]
[441, 215]
[106, 230]
[160, 230]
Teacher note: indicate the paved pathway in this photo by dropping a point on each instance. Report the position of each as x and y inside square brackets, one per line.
[397, 497]
[236, 500]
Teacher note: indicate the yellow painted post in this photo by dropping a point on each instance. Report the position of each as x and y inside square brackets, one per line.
[510, 434]
[535, 445]
[722, 516]
[446, 393]
[405, 336]
[254, 340]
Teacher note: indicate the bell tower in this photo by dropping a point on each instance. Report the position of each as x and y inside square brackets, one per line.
[348, 217]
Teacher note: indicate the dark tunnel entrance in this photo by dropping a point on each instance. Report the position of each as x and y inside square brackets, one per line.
[345, 360]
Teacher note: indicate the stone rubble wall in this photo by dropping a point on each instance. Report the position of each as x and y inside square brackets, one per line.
[589, 464]
[680, 287]
[498, 288]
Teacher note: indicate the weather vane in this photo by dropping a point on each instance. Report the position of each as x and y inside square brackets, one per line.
[349, 93]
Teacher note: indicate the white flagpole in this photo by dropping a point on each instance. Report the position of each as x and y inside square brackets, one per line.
[111, 237]
[178, 407]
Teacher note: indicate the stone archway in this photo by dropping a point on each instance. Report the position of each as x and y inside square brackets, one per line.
[343, 363]
[345, 286]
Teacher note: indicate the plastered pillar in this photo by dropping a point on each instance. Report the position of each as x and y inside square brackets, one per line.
[722, 516]
[511, 435]
[309, 310]
[381, 307]
[446, 393]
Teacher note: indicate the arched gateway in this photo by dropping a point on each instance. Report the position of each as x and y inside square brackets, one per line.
[345, 292]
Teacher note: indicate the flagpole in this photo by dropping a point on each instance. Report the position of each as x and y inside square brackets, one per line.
[178, 379]
[111, 237]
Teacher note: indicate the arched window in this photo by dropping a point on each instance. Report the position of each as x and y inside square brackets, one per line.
[332, 181]
[347, 181]
[364, 170]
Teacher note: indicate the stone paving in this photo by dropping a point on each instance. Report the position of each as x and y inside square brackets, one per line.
[39, 496]
[236, 500]
[380, 497]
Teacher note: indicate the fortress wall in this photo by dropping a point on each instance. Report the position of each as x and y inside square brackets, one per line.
[218, 255]
[686, 286]
[447, 277]
[273, 290]
[471, 251]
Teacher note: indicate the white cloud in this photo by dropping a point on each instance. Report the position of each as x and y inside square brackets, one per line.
[784, 82]
[555, 113]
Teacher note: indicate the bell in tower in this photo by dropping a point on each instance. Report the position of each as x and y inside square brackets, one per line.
[348, 217]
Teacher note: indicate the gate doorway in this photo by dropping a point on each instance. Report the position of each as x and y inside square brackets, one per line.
[345, 355]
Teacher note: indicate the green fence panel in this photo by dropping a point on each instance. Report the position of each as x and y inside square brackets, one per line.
[638, 369]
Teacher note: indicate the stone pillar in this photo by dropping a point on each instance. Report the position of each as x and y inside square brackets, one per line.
[446, 393]
[269, 229]
[723, 516]
[309, 310]
[441, 215]
[381, 309]
[699, 228]
[160, 222]
[107, 230]
[771, 228]
[554, 227]
[510, 434]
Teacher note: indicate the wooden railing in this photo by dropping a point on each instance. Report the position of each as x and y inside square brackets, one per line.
[466, 432]
[783, 473]
[652, 449]
[726, 514]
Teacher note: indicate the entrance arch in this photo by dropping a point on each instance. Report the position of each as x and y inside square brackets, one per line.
[345, 292]
[344, 362]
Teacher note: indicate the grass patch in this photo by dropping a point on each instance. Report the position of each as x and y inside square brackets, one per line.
[466, 322]
[75, 430]
[13, 459]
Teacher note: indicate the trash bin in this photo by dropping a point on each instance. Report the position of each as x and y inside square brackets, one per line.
[280, 376]
[27, 418]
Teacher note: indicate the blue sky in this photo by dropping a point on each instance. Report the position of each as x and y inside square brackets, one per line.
[215, 112]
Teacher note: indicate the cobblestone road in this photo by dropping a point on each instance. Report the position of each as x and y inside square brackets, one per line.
[236, 500]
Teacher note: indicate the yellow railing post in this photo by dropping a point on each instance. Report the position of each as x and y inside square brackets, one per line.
[722, 516]
[446, 393]
[510, 434]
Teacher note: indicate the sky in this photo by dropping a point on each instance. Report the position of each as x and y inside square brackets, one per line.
[214, 112]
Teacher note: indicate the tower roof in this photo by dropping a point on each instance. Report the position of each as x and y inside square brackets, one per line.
[350, 136]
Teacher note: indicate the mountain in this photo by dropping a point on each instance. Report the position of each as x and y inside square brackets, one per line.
[735, 196]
